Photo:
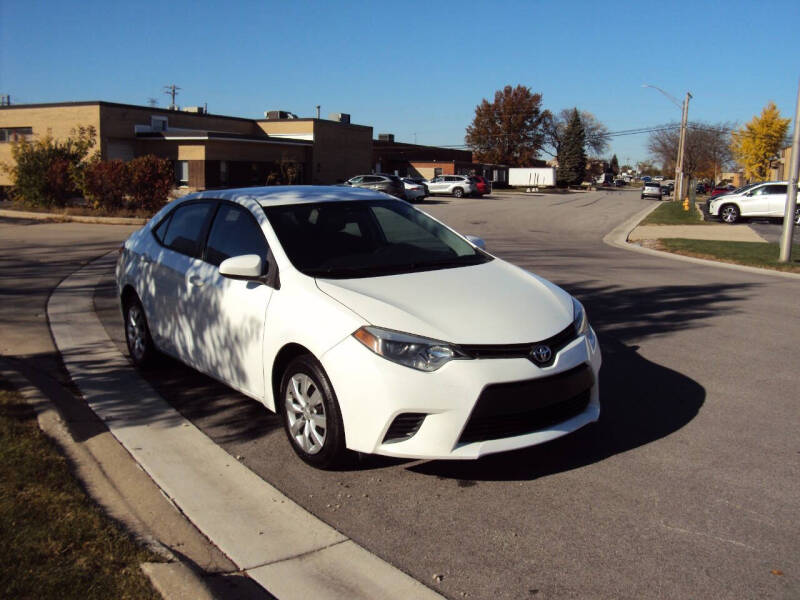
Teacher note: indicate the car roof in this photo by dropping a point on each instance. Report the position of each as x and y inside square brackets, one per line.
[292, 194]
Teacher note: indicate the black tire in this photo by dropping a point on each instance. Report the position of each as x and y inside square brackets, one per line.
[729, 213]
[797, 215]
[458, 192]
[320, 447]
[137, 334]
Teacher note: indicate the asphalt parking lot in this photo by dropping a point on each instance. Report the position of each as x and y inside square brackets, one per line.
[687, 487]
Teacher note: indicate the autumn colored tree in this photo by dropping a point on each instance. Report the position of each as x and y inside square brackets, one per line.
[508, 131]
[572, 154]
[555, 126]
[759, 141]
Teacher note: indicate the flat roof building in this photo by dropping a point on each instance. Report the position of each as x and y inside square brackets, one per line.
[206, 150]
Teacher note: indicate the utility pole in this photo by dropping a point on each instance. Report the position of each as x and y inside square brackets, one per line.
[172, 91]
[682, 147]
[791, 190]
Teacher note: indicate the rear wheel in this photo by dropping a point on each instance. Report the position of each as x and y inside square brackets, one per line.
[137, 334]
[311, 416]
[458, 192]
[729, 214]
[797, 215]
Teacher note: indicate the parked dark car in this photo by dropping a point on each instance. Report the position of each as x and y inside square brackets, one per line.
[382, 182]
[619, 183]
[483, 186]
[701, 188]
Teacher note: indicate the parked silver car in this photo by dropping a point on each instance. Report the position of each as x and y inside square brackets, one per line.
[651, 189]
[382, 182]
[455, 185]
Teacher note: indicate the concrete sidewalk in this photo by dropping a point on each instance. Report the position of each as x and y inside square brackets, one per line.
[288, 551]
[710, 231]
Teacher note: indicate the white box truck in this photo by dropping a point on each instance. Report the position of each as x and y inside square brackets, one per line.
[535, 177]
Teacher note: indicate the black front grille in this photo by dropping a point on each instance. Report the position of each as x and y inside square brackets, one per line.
[509, 409]
[556, 343]
[404, 427]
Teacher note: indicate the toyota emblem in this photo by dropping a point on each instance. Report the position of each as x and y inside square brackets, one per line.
[541, 353]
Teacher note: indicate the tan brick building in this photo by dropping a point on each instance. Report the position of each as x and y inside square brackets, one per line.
[206, 150]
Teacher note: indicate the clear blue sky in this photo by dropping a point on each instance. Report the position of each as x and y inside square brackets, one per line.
[420, 68]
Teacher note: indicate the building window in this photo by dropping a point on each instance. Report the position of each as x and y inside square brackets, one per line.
[158, 123]
[437, 171]
[14, 134]
[182, 172]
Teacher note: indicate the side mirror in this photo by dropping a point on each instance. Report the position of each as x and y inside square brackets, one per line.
[476, 241]
[246, 266]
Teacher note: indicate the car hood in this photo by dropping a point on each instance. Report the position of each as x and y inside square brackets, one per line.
[492, 303]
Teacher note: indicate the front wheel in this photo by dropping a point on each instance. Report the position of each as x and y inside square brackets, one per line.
[458, 193]
[729, 214]
[311, 416]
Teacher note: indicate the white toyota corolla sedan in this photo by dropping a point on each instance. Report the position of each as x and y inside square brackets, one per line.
[367, 324]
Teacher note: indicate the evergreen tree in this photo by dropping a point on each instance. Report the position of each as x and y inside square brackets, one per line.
[571, 155]
[614, 165]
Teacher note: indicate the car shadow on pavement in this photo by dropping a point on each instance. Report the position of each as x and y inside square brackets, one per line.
[641, 401]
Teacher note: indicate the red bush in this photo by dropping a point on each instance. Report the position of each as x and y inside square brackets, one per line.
[105, 183]
[150, 182]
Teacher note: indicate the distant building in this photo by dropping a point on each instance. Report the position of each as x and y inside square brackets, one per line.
[415, 160]
[779, 167]
[206, 150]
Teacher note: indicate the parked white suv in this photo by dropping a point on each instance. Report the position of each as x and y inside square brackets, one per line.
[455, 185]
[764, 200]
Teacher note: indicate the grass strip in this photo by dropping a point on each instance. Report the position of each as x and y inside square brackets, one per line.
[754, 254]
[55, 542]
[672, 213]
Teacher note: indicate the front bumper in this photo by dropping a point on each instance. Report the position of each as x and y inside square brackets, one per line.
[373, 391]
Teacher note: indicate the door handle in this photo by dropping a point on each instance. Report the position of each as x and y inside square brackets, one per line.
[196, 281]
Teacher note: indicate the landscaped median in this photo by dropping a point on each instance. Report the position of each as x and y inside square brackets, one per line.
[672, 229]
[56, 542]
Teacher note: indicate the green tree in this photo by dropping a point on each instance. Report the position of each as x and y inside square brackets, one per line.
[759, 141]
[508, 131]
[614, 166]
[43, 170]
[572, 154]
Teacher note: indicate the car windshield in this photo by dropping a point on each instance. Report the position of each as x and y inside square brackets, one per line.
[367, 238]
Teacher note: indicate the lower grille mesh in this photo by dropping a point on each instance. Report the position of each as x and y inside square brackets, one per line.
[510, 409]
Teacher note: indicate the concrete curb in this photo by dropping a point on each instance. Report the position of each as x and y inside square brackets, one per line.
[172, 579]
[262, 531]
[618, 238]
[62, 218]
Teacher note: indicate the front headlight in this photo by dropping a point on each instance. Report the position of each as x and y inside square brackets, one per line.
[581, 323]
[579, 319]
[419, 353]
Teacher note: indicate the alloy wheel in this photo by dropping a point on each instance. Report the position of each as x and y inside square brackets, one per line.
[136, 330]
[305, 411]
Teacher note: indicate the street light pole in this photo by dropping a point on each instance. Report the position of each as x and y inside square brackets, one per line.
[682, 147]
[684, 119]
